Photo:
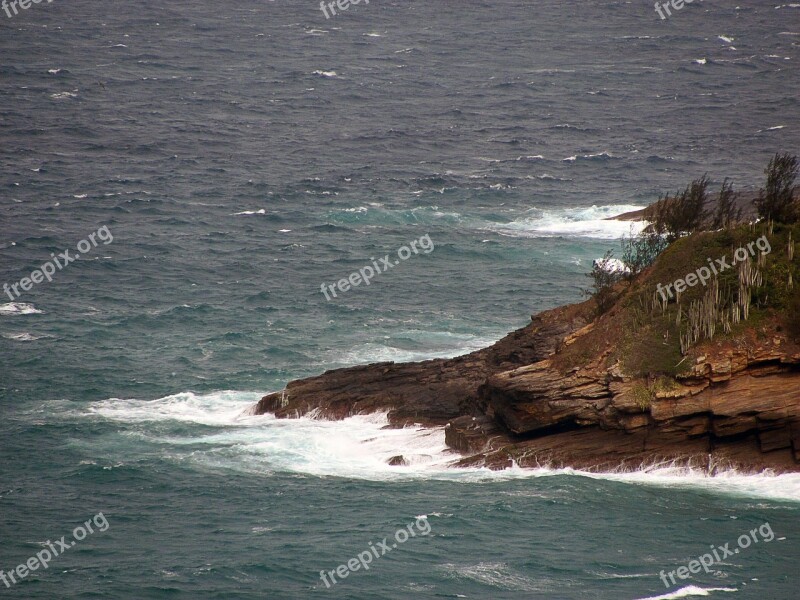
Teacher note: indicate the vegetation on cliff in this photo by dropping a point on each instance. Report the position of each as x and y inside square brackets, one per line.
[654, 332]
[678, 361]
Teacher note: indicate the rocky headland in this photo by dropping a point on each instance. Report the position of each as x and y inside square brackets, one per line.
[610, 390]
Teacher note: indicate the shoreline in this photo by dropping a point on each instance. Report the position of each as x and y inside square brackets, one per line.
[556, 392]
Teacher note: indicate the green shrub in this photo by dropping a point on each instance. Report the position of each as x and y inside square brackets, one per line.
[603, 282]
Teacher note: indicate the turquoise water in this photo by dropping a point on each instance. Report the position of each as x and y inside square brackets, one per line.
[241, 157]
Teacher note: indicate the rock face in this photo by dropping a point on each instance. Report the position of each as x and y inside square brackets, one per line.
[741, 409]
[509, 404]
[430, 392]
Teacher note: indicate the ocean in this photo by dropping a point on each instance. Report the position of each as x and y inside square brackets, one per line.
[216, 165]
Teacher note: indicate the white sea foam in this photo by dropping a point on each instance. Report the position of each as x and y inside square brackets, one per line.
[220, 408]
[597, 156]
[23, 336]
[228, 436]
[438, 345]
[573, 222]
[19, 308]
[497, 575]
[688, 591]
[358, 447]
[260, 211]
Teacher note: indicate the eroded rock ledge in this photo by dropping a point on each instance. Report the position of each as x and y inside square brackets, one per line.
[509, 404]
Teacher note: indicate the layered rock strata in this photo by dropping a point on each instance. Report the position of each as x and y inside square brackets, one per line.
[509, 404]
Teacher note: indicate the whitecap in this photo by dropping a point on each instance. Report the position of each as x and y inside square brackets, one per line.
[689, 590]
[588, 222]
[497, 575]
[219, 408]
[19, 308]
[260, 211]
[325, 73]
[436, 344]
[599, 155]
[23, 337]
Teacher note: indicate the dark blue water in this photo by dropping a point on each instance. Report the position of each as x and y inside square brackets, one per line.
[241, 155]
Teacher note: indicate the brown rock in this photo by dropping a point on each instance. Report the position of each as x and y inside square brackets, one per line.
[509, 404]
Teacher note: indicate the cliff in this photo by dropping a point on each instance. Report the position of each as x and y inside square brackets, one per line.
[615, 390]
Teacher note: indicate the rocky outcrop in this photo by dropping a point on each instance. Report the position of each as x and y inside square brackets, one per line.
[512, 404]
[430, 392]
[741, 408]
[397, 461]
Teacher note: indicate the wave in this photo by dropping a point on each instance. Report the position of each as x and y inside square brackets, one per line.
[498, 575]
[19, 308]
[440, 344]
[221, 408]
[724, 481]
[587, 222]
[591, 157]
[688, 591]
[24, 336]
[358, 447]
[260, 211]
[574, 222]
[219, 431]
[379, 215]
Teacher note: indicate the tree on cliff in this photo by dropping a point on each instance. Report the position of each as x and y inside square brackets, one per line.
[777, 201]
[683, 214]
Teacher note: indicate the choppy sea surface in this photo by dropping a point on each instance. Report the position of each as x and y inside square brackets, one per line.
[242, 155]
